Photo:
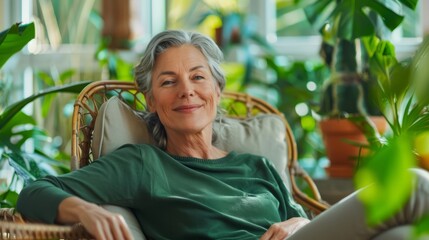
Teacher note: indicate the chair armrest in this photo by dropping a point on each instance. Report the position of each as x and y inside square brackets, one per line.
[314, 203]
[14, 226]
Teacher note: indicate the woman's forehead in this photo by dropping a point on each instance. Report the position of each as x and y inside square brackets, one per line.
[185, 55]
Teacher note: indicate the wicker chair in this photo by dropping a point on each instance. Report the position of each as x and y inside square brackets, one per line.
[87, 105]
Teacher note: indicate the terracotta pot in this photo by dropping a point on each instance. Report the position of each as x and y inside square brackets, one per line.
[341, 154]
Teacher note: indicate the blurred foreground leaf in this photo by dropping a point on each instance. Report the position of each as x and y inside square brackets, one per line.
[421, 227]
[387, 179]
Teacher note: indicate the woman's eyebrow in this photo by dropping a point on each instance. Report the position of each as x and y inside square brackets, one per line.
[165, 73]
[196, 68]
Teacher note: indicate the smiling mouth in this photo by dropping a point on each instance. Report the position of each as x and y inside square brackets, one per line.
[187, 108]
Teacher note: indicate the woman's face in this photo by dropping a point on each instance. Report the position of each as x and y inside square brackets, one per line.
[184, 93]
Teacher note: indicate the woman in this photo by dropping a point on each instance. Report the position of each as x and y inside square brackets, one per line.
[185, 188]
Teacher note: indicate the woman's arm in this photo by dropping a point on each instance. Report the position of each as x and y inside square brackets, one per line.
[71, 198]
[97, 221]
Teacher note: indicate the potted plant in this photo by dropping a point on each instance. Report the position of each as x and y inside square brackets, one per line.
[16, 127]
[347, 94]
[403, 101]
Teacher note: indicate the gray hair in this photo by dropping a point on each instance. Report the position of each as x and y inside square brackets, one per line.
[159, 44]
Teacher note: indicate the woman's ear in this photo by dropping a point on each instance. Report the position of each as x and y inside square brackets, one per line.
[218, 93]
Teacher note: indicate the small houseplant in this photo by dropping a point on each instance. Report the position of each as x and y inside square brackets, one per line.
[348, 93]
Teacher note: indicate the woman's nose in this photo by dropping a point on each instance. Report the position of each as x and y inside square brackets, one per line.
[186, 89]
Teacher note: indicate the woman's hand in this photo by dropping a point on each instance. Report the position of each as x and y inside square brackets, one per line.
[284, 229]
[99, 222]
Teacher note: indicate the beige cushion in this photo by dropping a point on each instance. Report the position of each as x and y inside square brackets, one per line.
[263, 135]
[116, 125]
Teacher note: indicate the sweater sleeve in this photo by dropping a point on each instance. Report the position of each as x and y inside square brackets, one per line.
[293, 209]
[112, 179]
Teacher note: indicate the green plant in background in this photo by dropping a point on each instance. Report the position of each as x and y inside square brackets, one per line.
[53, 111]
[402, 98]
[52, 80]
[117, 67]
[293, 90]
[18, 131]
[342, 23]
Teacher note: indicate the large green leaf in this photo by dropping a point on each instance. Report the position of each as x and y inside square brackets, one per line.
[352, 16]
[14, 39]
[13, 109]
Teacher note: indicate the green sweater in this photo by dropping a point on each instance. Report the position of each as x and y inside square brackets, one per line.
[235, 197]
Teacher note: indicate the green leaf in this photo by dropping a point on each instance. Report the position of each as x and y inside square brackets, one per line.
[400, 80]
[390, 12]
[411, 4]
[46, 78]
[47, 105]
[35, 132]
[421, 124]
[8, 199]
[421, 72]
[319, 12]
[421, 227]
[13, 129]
[13, 109]
[12, 40]
[351, 22]
[67, 75]
[387, 181]
[370, 43]
[42, 157]
[21, 166]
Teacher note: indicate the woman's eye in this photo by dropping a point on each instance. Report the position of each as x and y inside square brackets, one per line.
[167, 82]
[198, 77]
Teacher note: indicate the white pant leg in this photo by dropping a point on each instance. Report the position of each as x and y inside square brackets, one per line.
[346, 219]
